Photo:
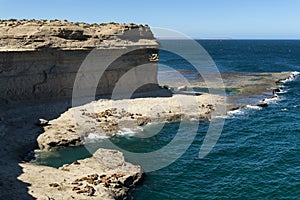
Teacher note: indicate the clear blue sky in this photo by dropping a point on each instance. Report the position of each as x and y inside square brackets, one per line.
[258, 19]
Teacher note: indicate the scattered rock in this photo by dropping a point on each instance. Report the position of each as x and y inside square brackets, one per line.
[76, 162]
[276, 90]
[53, 184]
[174, 117]
[263, 104]
[182, 88]
[43, 122]
[142, 121]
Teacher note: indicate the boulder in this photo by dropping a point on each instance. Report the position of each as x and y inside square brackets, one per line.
[263, 104]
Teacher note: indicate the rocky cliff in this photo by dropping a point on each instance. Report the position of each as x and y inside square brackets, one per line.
[39, 59]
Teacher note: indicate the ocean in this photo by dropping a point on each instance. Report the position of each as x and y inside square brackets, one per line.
[258, 153]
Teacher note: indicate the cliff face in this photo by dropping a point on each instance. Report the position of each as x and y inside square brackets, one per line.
[40, 59]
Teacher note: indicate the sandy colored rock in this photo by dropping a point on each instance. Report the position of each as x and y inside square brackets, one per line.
[18, 129]
[108, 117]
[106, 175]
[240, 86]
[40, 59]
[22, 35]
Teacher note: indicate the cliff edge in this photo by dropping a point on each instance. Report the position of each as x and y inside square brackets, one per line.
[22, 35]
[40, 59]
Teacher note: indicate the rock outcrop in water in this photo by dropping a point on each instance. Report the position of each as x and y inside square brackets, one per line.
[109, 117]
[39, 59]
[106, 175]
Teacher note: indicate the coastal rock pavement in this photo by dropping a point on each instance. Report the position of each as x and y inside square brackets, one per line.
[106, 175]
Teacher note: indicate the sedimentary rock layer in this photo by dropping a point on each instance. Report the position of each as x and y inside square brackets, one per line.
[40, 59]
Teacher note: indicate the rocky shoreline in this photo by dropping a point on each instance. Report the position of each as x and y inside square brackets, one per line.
[39, 59]
[109, 117]
[22, 133]
[106, 175]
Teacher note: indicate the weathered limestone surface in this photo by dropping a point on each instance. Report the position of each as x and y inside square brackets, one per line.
[106, 175]
[108, 117]
[31, 35]
[40, 59]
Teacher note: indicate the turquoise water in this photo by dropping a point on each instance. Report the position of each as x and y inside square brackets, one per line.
[257, 157]
[258, 153]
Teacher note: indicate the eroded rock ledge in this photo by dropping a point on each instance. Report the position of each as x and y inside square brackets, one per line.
[29, 35]
[40, 59]
[106, 175]
[108, 117]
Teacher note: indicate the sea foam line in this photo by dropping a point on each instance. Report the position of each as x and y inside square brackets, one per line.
[253, 107]
[242, 111]
[292, 77]
[273, 100]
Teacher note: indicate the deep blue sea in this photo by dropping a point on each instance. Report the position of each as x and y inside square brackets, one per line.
[258, 153]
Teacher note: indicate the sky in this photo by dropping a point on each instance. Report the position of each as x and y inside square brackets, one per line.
[236, 19]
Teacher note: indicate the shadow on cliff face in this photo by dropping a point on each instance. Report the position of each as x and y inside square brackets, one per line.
[10, 187]
[18, 134]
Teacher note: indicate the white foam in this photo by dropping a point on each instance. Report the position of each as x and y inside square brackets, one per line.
[272, 100]
[284, 109]
[96, 136]
[235, 112]
[253, 107]
[241, 111]
[129, 131]
[282, 92]
[295, 73]
[292, 77]
[222, 116]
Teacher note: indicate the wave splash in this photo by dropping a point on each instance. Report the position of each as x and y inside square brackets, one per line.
[272, 100]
